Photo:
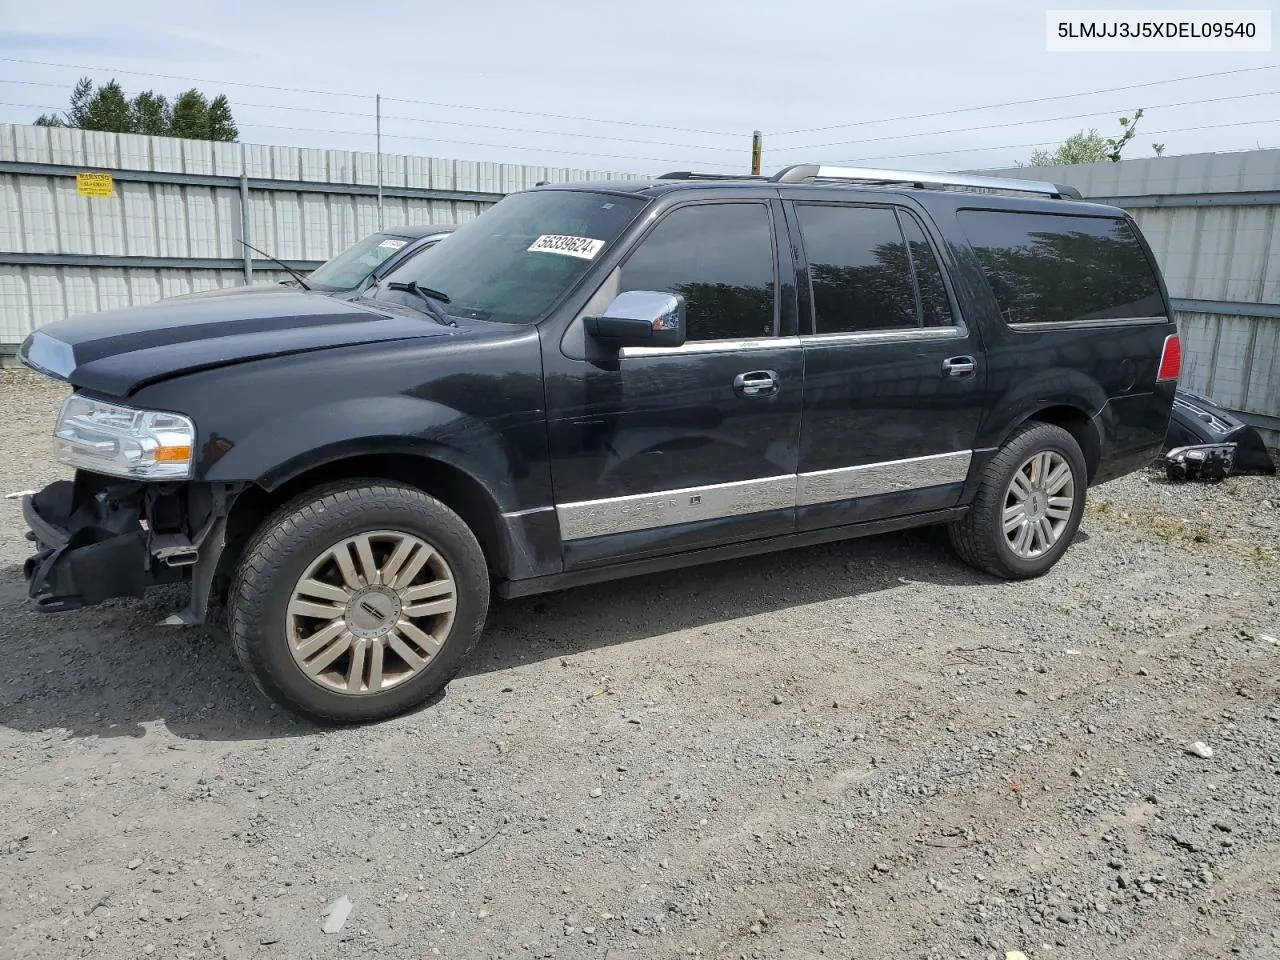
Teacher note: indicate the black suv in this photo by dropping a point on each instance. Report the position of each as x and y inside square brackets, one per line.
[599, 379]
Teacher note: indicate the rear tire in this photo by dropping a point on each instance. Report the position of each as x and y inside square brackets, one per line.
[1028, 506]
[357, 601]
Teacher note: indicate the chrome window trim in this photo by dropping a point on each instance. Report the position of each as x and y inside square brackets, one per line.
[885, 336]
[1031, 326]
[886, 476]
[712, 346]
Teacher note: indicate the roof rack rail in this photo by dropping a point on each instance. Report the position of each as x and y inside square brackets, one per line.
[693, 175]
[819, 173]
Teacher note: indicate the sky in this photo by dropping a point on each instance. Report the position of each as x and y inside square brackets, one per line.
[650, 87]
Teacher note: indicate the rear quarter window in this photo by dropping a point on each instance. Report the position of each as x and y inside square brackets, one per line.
[1055, 268]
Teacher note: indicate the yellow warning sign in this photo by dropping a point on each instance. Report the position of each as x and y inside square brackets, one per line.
[95, 185]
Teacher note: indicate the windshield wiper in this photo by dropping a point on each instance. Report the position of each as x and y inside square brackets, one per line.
[294, 273]
[429, 298]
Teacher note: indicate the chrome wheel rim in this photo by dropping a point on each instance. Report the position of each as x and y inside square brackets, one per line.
[1038, 504]
[371, 612]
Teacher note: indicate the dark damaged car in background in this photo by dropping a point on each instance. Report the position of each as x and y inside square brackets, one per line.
[352, 272]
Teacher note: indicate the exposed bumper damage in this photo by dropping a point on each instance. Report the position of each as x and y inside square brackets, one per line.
[1207, 442]
[99, 538]
[1207, 461]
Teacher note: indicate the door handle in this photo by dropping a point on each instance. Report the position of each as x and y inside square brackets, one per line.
[959, 368]
[757, 383]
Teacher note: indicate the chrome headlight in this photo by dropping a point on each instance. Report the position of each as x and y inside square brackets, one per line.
[107, 438]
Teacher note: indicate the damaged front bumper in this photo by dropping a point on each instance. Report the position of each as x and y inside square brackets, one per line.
[99, 538]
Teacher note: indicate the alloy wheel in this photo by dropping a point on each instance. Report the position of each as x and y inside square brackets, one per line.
[371, 611]
[1038, 504]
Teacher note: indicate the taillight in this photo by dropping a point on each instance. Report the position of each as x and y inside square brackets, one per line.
[1170, 359]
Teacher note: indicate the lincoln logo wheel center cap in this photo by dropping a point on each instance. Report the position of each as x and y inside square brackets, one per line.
[372, 612]
[1037, 505]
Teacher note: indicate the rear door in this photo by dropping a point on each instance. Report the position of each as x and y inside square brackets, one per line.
[663, 450]
[895, 382]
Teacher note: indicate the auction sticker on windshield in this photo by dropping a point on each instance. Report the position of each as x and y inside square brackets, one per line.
[392, 244]
[583, 247]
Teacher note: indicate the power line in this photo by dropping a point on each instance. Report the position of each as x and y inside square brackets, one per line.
[36, 83]
[561, 116]
[476, 143]
[470, 143]
[1021, 123]
[28, 106]
[361, 114]
[368, 96]
[588, 136]
[1042, 143]
[270, 106]
[169, 76]
[490, 126]
[1016, 103]
[437, 140]
[448, 123]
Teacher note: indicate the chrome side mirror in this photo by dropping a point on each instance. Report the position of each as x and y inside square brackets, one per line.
[640, 318]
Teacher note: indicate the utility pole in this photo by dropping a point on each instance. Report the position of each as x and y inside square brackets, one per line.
[245, 225]
[378, 122]
[757, 139]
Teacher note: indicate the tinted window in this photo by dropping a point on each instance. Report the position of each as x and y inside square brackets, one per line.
[1046, 268]
[934, 303]
[719, 257]
[488, 269]
[858, 269]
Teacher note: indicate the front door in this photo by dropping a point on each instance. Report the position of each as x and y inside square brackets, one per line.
[894, 379]
[662, 450]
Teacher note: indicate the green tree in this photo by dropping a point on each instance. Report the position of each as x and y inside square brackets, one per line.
[81, 94]
[151, 114]
[107, 108]
[220, 124]
[1083, 147]
[1091, 147]
[190, 115]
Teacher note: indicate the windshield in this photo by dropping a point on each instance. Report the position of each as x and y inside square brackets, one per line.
[348, 269]
[520, 256]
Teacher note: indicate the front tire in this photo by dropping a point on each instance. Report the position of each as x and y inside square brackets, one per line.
[1028, 506]
[358, 601]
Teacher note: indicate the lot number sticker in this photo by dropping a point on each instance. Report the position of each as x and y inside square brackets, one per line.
[392, 244]
[95, 185]
[582, 247]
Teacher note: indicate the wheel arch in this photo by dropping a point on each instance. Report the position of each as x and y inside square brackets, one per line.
[1070, 417]
[424, 470]
[1077, 423]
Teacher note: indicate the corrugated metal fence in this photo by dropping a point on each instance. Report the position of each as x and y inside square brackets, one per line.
[179, 209]
[1213, 221]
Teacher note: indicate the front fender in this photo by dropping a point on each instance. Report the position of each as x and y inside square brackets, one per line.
[277, 449]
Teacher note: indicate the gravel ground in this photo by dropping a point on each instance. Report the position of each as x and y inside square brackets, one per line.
[857, 750]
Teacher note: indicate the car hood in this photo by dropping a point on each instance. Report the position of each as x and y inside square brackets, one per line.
[253, 290]
[119, 351]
